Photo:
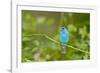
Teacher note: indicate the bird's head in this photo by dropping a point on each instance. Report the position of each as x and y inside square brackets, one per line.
[63, 29]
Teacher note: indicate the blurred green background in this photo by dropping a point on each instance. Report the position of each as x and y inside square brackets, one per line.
[36, 47]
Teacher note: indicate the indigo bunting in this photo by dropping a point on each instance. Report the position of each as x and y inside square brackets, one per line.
[64, 38]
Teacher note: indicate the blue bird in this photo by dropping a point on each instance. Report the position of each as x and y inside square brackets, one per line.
[64, 38]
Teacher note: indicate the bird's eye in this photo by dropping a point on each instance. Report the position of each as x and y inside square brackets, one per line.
[62, 28]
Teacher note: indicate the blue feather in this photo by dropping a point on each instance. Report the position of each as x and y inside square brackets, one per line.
[64, 38]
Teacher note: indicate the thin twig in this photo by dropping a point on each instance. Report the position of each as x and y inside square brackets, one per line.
[46, 36]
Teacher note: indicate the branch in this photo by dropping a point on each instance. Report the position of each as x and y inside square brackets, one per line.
[46, 36]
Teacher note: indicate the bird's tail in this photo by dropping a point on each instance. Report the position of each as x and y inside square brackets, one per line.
[63, 51]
